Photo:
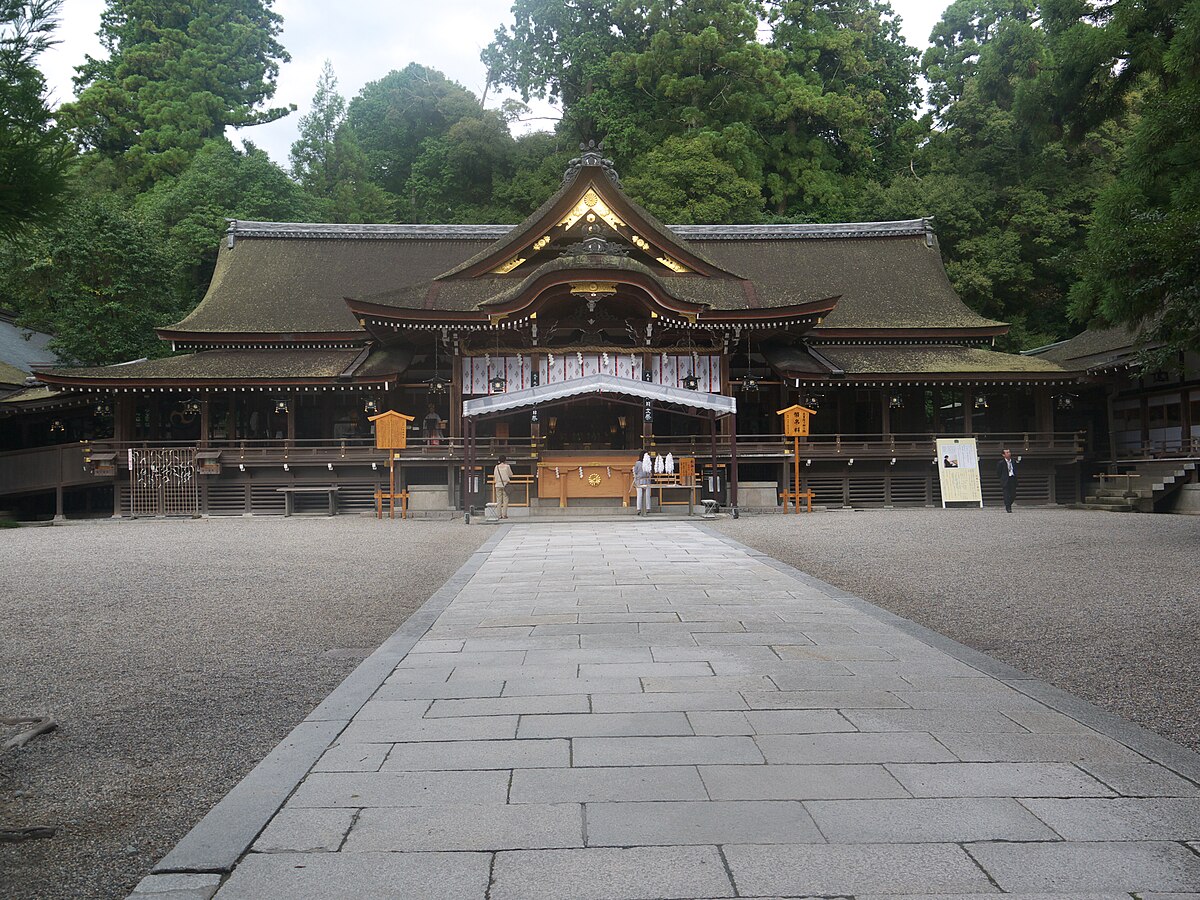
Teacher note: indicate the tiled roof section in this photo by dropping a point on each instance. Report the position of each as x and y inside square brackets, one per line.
[793, 359]
[234, 365]
[1093, 349]
[528, 231]
[935, 359]
[23, 348]
[239, 228]
[11, 375]
[468, 294]
[284, 285]
[884, 282]
[292, 279]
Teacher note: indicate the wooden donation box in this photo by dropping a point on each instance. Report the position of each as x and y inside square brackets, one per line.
[567, 478]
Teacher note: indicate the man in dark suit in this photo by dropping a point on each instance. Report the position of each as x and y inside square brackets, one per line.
[1006, 471]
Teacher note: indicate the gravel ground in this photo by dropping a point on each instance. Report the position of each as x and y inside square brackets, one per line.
[175, 655]
[1103, 605]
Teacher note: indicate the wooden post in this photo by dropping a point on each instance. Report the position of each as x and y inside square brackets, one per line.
[886, 413]
[204, 422]
[968, 410]
[733, 467]
[795, 473]
[712, 427]
[291, 420]
[391, 484]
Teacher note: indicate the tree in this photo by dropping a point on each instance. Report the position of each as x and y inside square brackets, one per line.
[846, 93]
[177, 74]
[1142, 266]
[33, 153]
[189, 213]
[392, 118]
[562, 52]
[98, 278]
[329, 163]
[700, 177]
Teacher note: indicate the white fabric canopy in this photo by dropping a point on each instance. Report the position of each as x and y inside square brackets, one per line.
[599, 384]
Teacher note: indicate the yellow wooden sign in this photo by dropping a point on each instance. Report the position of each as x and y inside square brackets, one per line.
[795, 420]
[391, 430]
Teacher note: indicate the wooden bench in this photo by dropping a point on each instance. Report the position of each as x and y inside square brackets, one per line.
[391, 498]
[796, 496]
[289, 496]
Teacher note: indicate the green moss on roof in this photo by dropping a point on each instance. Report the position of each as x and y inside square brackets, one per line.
[1093, 348]
[226, 365]
[933, 359]
[11, 374]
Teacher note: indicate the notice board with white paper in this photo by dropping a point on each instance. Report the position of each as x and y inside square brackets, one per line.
[958, 470]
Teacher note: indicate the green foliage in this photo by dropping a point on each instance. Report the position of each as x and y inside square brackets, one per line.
[330, 164]
[1142, 267]
[394, 116]
[177, 75]
[700, 177]
[99, 278]
[189, 213]
[33, 153]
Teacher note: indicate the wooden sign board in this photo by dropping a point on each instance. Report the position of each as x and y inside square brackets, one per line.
[795, 420]
[391, 430]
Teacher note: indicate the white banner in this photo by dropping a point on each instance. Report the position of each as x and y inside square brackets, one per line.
[517, 371]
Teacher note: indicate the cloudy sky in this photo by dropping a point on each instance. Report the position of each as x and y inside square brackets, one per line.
[366, 39]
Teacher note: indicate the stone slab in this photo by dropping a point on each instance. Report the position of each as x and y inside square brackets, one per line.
[804, 870]
[1121, 819]
[997, 780]
[903, 746]
[604, 725]
[306, 831]
[926, 821]
[467, 755]
[182, 886]
[400, 789]
[1058, 867]
[664, 873]
[468, 827]
[644, 783]
[800, 782]
[708, 822]
[362, 876]
[663, 751]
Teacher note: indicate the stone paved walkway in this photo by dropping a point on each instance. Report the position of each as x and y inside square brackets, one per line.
[647, 711]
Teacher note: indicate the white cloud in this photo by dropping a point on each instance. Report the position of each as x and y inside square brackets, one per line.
[366, 39]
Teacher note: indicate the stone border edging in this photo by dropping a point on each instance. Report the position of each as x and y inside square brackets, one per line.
[219, 840]
[1154, 747]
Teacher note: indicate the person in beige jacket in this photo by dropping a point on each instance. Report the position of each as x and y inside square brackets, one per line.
[502, 475]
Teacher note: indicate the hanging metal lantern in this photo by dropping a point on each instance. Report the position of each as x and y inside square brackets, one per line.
[749, 383]
[370, 407]
[103, 408]
[896, 402]
[691, 382]
[191, 407]
[498, 384]
[282, 408]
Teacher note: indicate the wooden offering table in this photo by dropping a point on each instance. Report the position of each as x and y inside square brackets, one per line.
[586, 477]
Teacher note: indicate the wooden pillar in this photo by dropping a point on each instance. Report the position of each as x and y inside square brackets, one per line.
[456, 398]
[1043, 409]
[1144, 402]
[647, 425]
[123, 413]
[733, 467]
[1112, 425]
[466, 466]
[712, 433]
[968, 410]
[291, 417]
[204, 422]
[1185, 421]
[59, 516]
[885, 409]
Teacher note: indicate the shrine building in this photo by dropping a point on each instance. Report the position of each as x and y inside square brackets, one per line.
[570, 343]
